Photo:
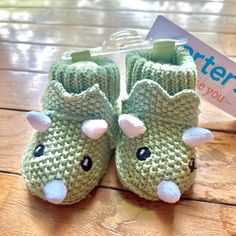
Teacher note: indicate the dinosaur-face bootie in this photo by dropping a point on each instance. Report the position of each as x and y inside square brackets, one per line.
[155, 155]
[76, 132]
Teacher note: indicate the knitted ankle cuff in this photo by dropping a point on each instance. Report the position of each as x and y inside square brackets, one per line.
[76, 79]
[178, 74]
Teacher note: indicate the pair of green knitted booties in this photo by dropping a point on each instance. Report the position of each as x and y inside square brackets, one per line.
[80, 126]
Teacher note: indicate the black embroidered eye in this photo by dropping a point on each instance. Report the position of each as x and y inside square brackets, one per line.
[192, 165]
[143, 153]
[86, 163]
[39, 150]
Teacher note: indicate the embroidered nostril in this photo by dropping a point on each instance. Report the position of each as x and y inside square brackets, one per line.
[143, 153]
[86, 163]
[192, 165]
[39, 150]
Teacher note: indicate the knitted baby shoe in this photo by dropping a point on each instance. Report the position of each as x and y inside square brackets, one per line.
[76, 132]
[155, 157]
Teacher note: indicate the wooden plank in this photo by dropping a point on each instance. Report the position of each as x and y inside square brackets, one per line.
[224, 43]
[27, 3]
[193, 7]
[21, 90]
[83, 36]
[30, 57]
[22, 14]
[111, 212]
[78, 3]
[6, 180]
[33, 57]
[215, 177]
[27, 51]
[14, 135]
[117, 19]
[214, 118]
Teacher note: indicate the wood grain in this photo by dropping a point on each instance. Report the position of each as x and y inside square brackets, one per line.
[100, 3]
[34, 34]
[22, 90]
[117, 19]
[126, 214]
[213, 118]
[14, 134]
[34, 58]
[87, 36]
[30, 57]
[82, 36]
[207, 7]
[216, 174]
[6, 180]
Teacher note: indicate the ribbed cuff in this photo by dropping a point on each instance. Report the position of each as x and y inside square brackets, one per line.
[75, 79]
[174, 76]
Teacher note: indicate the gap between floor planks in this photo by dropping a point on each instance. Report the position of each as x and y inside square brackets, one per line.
[125, 213]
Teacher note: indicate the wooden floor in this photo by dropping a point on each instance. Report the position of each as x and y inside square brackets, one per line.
[33, 34]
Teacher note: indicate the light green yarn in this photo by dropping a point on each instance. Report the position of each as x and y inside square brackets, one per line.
[106, 74]
[65, 144]
[178, 74]
[162, 96]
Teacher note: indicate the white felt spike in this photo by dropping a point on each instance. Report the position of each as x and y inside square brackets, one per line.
[196, 136]
[168, 191]
[94, 129]
[38, 120]
[55, 191]
[131, 126]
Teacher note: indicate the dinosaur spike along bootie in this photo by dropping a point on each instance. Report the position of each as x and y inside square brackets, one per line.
[76, 132]
[155, 155]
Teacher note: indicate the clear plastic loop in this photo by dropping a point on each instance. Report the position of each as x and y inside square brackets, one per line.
[123, 41]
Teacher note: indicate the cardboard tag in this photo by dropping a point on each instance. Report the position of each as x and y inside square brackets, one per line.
[216, 73]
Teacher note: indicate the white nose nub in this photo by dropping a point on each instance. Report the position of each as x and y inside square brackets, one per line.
[55, 191]
[168, 191]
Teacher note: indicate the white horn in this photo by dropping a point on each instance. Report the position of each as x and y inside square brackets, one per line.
[94, 129]
[168, 191]
[38, 120]
[55, 191]
[131, 126]
[196, 136]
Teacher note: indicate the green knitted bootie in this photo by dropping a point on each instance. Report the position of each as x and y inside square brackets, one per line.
[76, 132]
[155, 155]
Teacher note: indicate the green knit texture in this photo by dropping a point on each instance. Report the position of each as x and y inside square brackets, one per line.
[75, 80]
[65, 144]
[167, 107]
[173, 76]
